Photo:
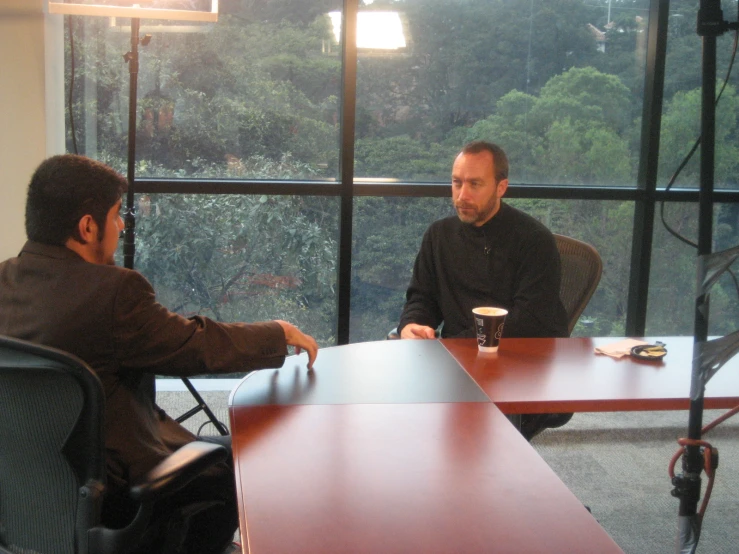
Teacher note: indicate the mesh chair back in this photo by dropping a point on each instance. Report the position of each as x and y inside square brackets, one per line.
[50, 447]
[581, 271]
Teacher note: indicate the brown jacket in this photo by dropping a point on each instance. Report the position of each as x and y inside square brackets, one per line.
[108, 317]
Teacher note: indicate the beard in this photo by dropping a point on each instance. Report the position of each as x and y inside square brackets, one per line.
[469, 213]
[101, 256]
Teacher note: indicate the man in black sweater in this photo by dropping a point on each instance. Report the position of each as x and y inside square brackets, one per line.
[491, 254]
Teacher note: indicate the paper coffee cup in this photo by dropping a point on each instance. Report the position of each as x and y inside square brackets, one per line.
[489, 322]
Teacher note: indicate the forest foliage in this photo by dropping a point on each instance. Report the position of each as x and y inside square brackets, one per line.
[558, 83]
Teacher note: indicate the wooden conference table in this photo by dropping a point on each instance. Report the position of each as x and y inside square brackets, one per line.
[401, 446]
[565, 375]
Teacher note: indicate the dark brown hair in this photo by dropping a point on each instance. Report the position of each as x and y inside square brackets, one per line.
[65, 188]
[500, 160]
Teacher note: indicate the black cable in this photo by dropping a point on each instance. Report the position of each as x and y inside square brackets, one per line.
[207, 423]
[689, 155]
[71, 84]
[692, 151]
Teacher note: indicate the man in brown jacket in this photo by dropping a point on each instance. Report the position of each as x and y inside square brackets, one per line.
[63, 290]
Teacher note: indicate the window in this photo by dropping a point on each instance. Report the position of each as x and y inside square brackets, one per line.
[242, 258]
[253, 96]
[674, 273]
[682, 102]
[534, 77]
[247, 112]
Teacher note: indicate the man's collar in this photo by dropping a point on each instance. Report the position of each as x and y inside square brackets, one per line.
[496, 216]
[49, 251]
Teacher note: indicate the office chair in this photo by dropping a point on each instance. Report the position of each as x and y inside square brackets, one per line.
[581, 268]
[52, 458]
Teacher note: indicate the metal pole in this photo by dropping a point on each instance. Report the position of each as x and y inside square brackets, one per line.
[129, 236]
[643, 234]
[132, 58]
[710, 26]
[346, 168]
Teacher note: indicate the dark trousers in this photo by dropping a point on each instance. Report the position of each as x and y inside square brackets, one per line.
[173, 528]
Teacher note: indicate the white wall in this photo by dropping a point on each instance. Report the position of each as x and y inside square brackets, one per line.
[31, 107]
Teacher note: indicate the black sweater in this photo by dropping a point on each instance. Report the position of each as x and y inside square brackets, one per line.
[509, 262]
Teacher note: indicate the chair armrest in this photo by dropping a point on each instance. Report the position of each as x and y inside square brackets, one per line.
[178, 470]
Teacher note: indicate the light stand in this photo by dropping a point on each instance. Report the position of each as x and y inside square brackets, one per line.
[132, 58]
[135, 12]
[708, 356]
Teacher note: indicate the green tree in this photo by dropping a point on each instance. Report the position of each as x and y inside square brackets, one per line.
[243, 258]
[403, 158]
[379, 280]
[575, 131]
[624, 48]
[681, 128]
[466, 54]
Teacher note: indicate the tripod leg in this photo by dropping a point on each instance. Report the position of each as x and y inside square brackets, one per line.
[201, 406]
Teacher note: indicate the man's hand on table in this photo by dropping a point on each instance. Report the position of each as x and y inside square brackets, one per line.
[416, 331]
[295, 337]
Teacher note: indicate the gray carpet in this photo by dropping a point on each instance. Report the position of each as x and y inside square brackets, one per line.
[615, 463]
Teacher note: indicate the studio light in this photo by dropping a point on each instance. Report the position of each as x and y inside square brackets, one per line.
[375, 30]
[139, 9]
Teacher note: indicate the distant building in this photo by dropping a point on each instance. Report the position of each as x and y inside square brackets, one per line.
[600, 37]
